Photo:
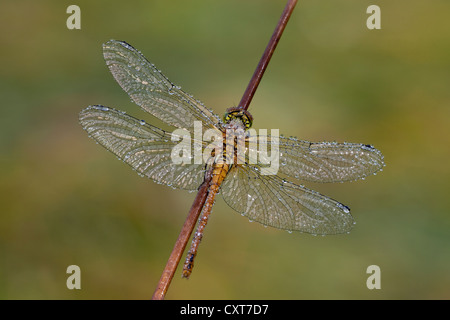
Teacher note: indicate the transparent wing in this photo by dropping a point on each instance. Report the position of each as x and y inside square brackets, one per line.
[145, 148]
[275, 202]
[152, 91]
[322, 161]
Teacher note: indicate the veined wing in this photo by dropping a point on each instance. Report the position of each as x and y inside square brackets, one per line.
[152, 91]
[144, 147]
[323, 161]
[275, 202]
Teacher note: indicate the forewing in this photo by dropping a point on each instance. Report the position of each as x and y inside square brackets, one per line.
[152, 91]
[322, 161]
[144, 147]
[274, 202]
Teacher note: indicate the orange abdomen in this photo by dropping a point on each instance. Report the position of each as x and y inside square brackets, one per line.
[219, 172]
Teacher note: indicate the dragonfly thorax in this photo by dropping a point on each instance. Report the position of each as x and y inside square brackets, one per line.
[236, 113]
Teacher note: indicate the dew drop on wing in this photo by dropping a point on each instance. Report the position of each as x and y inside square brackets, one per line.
[344, 208]
[102, 108]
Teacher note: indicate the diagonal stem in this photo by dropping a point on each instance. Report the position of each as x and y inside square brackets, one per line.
[264, 61]
[194, 212]
[183, 238]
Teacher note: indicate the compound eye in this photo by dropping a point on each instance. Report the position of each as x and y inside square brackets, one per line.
[237, 113]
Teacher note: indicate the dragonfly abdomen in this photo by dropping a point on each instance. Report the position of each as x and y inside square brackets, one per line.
[219, 172]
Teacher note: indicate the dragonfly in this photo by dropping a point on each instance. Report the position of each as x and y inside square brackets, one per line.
[271, 199]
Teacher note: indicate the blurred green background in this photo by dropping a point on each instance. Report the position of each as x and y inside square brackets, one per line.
[66, 200]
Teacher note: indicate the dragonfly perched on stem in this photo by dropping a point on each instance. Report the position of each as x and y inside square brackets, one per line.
[266, 198]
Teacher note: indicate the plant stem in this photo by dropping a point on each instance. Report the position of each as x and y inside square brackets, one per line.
[183, 238]
[264, 61]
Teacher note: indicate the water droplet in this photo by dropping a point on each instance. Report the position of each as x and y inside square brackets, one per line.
[102, 108]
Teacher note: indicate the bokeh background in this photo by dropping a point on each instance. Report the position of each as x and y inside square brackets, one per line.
[65, 200]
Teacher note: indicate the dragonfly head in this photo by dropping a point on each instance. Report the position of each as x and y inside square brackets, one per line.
[237, 113]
